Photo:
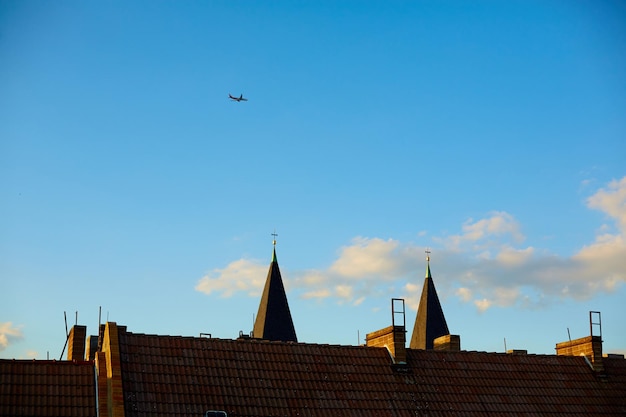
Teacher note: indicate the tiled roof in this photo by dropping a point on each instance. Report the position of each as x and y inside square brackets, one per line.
[176, 376]
[499, 384]
[47, 388]
[615, 369]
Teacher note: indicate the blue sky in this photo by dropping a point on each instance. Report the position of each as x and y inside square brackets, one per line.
[492, 133]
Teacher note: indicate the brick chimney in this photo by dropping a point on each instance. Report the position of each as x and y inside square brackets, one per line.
[393, 338]
[590, 347]
[76, 343]
[448, 342]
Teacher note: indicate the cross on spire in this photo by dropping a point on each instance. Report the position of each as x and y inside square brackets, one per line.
[274, 234]
[427, 251]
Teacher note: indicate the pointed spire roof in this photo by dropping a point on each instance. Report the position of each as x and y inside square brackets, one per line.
[273, 321]
[430, 322]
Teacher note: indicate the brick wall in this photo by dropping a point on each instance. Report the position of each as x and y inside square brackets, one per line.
[111, 351]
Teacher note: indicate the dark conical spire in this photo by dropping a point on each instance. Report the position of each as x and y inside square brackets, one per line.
[273, 321]
[430, 322]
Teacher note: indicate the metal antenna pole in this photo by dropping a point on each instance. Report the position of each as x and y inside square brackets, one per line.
[67, 336]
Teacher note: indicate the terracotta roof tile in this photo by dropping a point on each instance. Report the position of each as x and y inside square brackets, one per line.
[47, 388]
[165, 375]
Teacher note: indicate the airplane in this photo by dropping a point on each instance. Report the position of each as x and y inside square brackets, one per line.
[240, 98]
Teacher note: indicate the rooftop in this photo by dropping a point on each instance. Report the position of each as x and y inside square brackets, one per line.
[168, 375]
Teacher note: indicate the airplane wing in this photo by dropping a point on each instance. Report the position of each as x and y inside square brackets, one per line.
[240, 98]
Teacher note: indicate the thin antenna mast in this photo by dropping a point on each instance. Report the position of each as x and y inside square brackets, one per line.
[67, 336]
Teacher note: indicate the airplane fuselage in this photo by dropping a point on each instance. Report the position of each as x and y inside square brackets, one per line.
[240, 98]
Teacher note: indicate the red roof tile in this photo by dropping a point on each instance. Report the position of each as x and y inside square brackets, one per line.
[166, 375]
[47, 388]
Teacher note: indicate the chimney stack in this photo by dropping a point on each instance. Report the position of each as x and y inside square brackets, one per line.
[590, 347]
[448, 343]
[393, 338]
[517, 352]
[76, 343]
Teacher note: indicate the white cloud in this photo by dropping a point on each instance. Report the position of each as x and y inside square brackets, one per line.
[357, 273]
[358, 301]
[482, 305]
[612, 201]
[320, 293]
[602, 263]
[9, 334]
[513, 257]
[344, 292]
[465, 294]
[241, 275]
[481, 234]
[486, 265]
[367, 257]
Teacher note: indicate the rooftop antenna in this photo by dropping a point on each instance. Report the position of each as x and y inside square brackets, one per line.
[99, 317]
[569, 336]
[76, 319]
[67, 335]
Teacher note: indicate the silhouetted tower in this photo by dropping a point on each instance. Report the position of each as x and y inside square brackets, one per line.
[273, 321]
[430, 322]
